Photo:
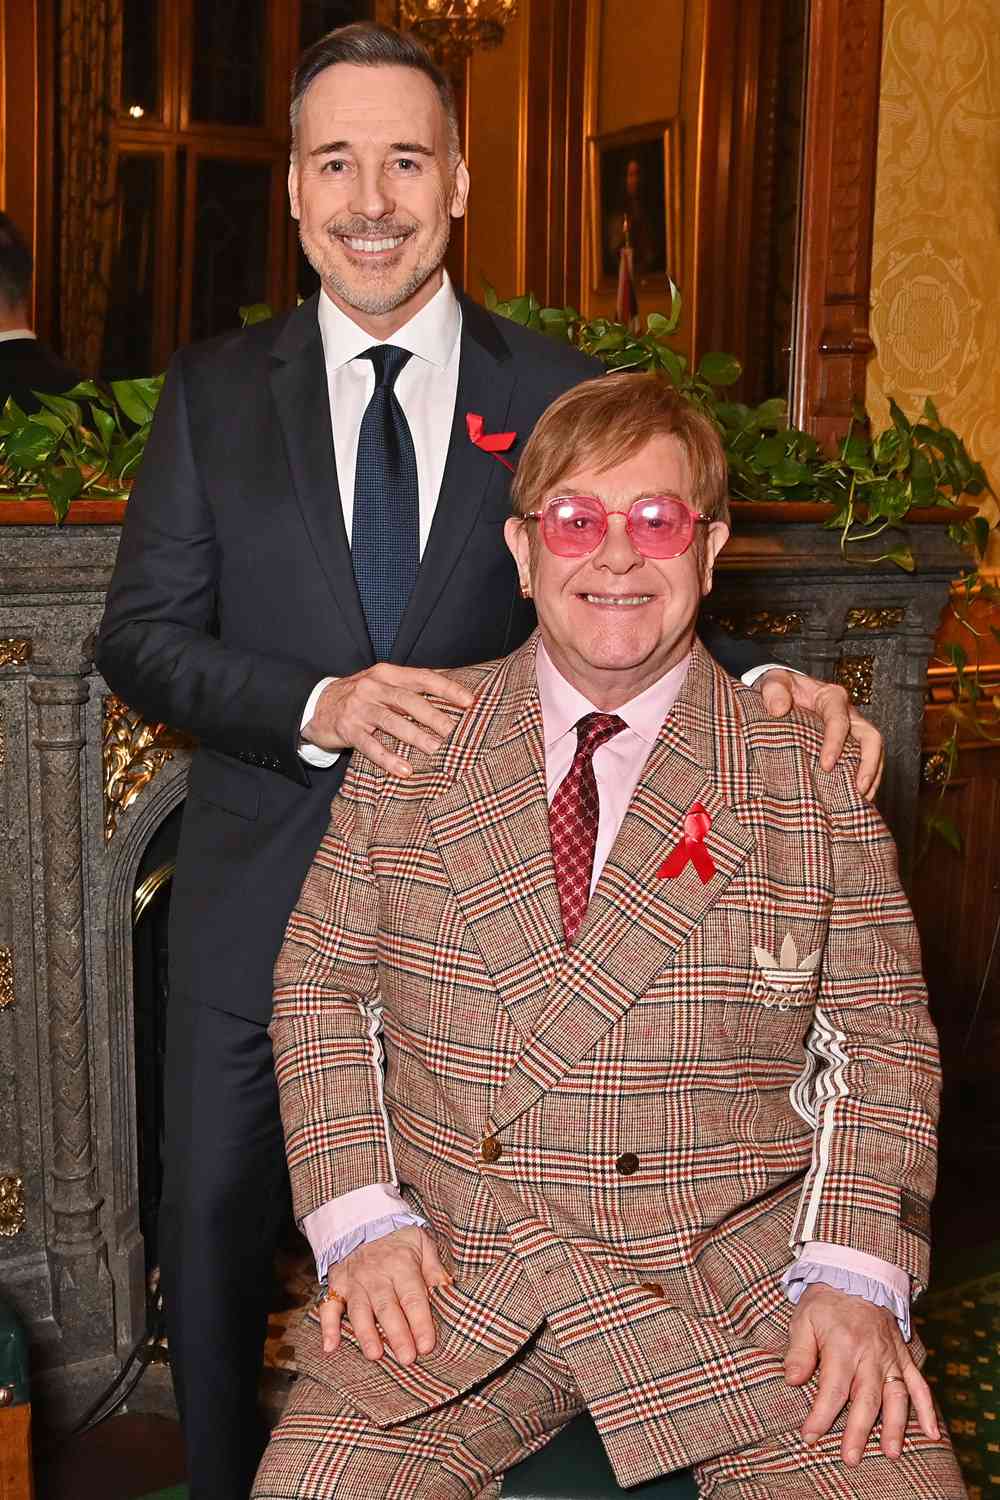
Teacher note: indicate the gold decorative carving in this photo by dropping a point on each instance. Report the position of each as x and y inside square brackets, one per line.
[754, 622]
[134, 752]
[935, 768]
[14, 651]
[7, 996]
[856, 673]
[144, 894]
[876, 619]
[13, 1215]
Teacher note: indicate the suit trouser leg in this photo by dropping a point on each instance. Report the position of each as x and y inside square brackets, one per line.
[225, 1196]
[783, 1468]
[324, 1449]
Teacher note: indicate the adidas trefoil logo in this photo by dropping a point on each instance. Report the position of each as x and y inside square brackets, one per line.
[788, 975]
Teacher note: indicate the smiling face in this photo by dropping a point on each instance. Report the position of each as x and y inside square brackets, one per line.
[373, 189]
[614, 622]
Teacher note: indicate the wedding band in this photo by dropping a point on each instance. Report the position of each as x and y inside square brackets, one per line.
[890, 1378]
[332, 1296]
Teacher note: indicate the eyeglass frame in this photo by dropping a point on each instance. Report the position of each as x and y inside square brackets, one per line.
[698, 517]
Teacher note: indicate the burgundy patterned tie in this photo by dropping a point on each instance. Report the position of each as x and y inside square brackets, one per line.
[573, 816]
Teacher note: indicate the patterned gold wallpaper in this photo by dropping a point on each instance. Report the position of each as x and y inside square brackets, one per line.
[936, 262]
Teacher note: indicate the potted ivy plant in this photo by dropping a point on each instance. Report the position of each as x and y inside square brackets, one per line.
[74, 458]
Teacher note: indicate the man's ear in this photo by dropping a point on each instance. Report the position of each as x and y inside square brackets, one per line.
[459, 190]
[293, 187]
[716, 537]
[515, 534]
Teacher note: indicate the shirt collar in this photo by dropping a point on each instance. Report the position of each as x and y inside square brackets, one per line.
[16, 333]
[562, 705]
[430, 334]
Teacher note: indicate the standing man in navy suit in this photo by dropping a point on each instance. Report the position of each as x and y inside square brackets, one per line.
[312, 533]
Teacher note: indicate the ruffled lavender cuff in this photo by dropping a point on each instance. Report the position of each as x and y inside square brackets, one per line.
[364, 1234]
[805, 1272]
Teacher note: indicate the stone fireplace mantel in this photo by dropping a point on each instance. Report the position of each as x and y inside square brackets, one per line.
[84, 785]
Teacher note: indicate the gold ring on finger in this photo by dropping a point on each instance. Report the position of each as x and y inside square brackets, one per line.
[890, 1378]
[332, 1296]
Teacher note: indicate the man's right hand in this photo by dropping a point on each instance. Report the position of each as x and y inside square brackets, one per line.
[389, 698]
[386, 1287]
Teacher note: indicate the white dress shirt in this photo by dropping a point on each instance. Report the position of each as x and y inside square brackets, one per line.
[425, 388]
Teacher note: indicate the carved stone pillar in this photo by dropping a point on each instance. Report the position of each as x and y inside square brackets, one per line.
[75, 1240]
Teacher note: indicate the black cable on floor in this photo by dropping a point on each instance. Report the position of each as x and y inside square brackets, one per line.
[144, 1353]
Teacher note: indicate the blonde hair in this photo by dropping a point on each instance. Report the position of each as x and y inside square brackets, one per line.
[610, 419]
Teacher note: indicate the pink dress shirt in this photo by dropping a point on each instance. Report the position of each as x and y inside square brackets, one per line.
[366, 1214]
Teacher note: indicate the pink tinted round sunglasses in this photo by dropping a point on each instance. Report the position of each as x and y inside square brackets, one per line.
[659, 526]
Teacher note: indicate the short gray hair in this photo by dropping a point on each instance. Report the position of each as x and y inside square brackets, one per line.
[366, 44]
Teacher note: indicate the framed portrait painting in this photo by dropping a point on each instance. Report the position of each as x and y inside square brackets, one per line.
[635, 180]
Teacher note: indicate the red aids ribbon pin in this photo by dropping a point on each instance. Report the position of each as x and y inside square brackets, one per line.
[691, 847]
[490, 442]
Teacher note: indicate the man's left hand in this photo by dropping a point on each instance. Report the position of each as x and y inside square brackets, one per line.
[782, 691]
[862, 1359]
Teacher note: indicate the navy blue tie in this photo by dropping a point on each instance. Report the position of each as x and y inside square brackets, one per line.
[385, 537]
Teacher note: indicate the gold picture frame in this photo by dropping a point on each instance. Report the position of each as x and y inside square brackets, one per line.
[641, 167]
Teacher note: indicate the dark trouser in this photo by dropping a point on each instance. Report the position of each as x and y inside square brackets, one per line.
[225, 1198]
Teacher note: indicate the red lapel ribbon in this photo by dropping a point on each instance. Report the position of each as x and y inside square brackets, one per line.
[691, 847]
[490, 442]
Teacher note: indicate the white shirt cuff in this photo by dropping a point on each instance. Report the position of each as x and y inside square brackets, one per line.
[853, 1271]
[749, 678]
[356, 1218]
[312, 754]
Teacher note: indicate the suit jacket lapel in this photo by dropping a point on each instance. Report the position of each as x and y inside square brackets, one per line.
[492, 833]
[485, 385]
[301, 395]
[636, 921]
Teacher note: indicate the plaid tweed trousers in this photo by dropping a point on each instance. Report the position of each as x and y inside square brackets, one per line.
[323, 1447]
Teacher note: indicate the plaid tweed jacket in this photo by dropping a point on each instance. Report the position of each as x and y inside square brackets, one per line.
[710, 1075]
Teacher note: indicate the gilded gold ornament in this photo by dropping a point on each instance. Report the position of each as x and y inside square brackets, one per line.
[13, 1215]
[856, 674]
[14, 651]
[133, 753]
[876, 619]
[7, 996]
[755, 622]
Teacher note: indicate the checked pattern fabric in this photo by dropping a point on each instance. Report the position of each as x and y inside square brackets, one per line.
[573, 817]
[385, 538]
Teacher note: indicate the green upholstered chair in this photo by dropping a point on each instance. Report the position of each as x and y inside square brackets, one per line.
[574, 1466]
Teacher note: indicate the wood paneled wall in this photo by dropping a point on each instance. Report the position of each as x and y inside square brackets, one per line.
[26, 136]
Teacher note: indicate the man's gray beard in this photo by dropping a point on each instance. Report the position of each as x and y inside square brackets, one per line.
[377, 302]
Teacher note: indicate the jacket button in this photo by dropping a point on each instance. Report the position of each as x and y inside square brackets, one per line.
[653, 1288]
[491, 1149]
[627, 1163]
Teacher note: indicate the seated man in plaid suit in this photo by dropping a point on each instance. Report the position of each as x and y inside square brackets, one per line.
[606, 1072]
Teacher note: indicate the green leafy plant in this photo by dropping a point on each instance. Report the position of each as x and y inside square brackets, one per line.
[87, 442]
[873, 482]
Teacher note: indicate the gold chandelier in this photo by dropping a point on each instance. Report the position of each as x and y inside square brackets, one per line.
[453, 29]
